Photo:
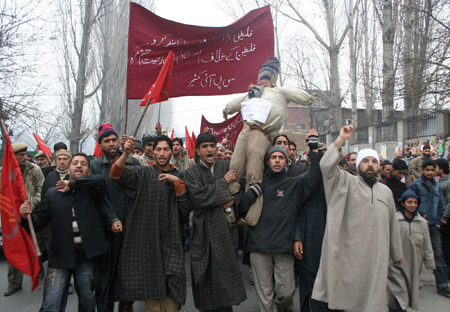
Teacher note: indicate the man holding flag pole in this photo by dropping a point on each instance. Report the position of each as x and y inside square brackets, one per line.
[21, 185]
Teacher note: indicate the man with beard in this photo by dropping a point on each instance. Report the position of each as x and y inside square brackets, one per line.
[44, 163]
[229, 150]
[178, 160]
[216, 279]
[393, 179]
[76, 215]
[220, 151]
[270, 243]
[151, 265]
[108, 141]
[416, 166]
[361, 236]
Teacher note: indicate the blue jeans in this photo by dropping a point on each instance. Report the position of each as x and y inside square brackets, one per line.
[440, 274]
[57, 283]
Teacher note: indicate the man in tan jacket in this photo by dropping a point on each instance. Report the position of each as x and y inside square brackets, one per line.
[362, 233]
[253, 141]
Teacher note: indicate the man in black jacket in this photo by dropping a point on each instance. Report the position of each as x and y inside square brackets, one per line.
[77, 218]
[393, 179]
[270, 242]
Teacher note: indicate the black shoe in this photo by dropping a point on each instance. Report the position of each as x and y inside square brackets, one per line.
[11, 291]
[444, 292]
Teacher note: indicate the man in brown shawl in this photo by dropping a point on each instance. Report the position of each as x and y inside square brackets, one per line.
[151, 263]
[216, 279]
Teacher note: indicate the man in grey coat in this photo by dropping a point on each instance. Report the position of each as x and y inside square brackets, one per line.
[216, 279]
[362, 234]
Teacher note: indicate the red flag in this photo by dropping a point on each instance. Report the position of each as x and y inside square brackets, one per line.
[43, 147]
[173, 132]
[193, 139]
[189, 146]
[208, 60]
[97, 150]
[232, 126]
[159, 91]
[17, 243]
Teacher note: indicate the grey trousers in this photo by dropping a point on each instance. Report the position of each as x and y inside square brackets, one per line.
[274, 280]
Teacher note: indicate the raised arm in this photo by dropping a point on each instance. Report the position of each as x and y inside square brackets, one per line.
[328, 164]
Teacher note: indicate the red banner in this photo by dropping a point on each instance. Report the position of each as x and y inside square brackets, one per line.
[232, 126]
[159, 91]
[207, 60]
[43, 147]
[18, 246]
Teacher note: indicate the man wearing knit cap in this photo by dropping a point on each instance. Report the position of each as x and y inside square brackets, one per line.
[33, 179]
[362, 234]
[270, 243]
[255, 137]
[108, 140]
[138, 150]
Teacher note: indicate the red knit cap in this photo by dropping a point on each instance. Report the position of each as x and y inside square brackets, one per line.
[104, 130]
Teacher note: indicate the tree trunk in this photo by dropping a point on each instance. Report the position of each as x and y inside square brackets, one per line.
[353, 60]
[389, 23]
[81, 80]
[335, 89]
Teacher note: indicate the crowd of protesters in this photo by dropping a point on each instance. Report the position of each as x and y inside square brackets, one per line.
[351, 232]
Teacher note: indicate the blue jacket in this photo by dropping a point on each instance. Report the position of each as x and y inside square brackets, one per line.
[430, 201]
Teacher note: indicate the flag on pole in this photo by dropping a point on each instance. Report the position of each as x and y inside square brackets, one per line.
[189, 146]
[43, 147]
[97, 150]
[193, 139]
[18, 246]
[172, 135]
[159, 91]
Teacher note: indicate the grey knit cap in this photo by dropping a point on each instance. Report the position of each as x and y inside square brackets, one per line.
[276, 148]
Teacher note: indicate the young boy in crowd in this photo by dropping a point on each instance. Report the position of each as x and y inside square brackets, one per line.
[403, 281]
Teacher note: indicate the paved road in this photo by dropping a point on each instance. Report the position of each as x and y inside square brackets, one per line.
[25, 300]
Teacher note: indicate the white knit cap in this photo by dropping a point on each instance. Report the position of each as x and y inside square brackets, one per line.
[367, 152]
[220, 145]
